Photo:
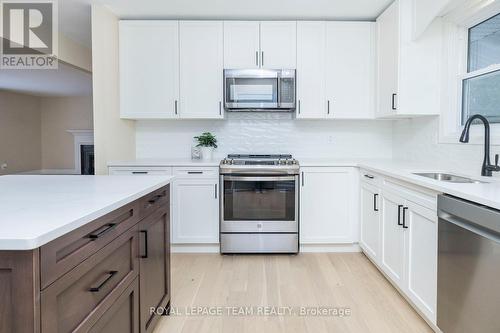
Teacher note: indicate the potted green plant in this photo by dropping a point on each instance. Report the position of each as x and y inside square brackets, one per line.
[207, 143]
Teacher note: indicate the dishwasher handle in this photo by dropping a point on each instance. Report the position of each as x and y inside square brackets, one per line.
[447, 217]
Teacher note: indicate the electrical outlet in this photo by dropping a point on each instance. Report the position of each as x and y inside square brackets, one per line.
[3, 166]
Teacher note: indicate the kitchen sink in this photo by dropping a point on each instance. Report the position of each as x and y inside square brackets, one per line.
[447, 177]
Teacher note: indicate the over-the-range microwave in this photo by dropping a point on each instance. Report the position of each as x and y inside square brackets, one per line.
[259, 89]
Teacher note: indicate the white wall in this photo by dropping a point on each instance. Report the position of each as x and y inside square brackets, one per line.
[114, 138]
[267, 133]
[416, 141]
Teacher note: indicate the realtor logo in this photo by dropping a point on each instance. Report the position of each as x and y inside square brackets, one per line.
[29, 34]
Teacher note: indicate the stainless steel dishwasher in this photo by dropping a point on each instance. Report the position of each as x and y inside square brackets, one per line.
[468, 298]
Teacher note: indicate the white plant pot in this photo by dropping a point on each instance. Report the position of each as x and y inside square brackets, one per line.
[207, 153]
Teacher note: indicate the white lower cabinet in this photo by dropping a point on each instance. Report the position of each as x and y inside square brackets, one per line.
[421, 254]
[407, 241]
[328, 205]
[195, 213]
[393, 237]
[369, 238]
[194, 201]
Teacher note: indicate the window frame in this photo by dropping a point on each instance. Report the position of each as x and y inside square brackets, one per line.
[455, 71]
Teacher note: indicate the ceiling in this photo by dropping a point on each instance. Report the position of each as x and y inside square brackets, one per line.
[65, 81]
[75, 14]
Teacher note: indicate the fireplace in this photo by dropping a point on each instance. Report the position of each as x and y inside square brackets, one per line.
[87, 159]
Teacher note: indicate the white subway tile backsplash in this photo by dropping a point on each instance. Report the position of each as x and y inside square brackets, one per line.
[267, 133]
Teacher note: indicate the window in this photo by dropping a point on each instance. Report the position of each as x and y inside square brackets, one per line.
[481, 83]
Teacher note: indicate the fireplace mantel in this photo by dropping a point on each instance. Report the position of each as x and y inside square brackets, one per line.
[80, 137]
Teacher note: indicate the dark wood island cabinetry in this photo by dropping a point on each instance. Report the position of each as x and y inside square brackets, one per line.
[105, 276]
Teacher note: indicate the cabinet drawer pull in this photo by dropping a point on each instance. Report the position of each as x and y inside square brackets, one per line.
[399, 214]
[303, 179]
[328, 106]
[404, 217]
[101, 231]
[257, 58]
[375, 208]
[155, 199]
[262, 59]
[215, 191]
[139, 172]
[110, 275]
[175, 106]
[195, 172]
[369, 176]
[145, 255]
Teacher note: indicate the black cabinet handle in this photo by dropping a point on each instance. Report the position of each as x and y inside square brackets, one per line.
[145, 232]
[155, 199]
[195, 172]
[393, 101]
[139, 172]
[404, 217]
[369, 176]
[215, 191]
[302, 179]
[299, 106]
[375, 208]
[101, 231]
[106, 280]
[399, 214]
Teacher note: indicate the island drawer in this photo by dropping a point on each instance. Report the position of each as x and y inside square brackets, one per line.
[151, 202]
[66, 252]
[73, 299]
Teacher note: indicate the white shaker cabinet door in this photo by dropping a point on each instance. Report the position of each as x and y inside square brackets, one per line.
[370, 221]
[278, 44]
[388, 60]
[241, 44]
[421, 239]
[201, 65]
[350, 70]
[327, 205]
[149, 69]
[393, 237]
[195, 217]
[311, 52]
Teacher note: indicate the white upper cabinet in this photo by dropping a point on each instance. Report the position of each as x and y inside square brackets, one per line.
[278, 44]
[335, 70]
[350, 70]
[311, 53]
[241, 44]
[201, 65]
[149, 69]
[409, 81]
[388, 60]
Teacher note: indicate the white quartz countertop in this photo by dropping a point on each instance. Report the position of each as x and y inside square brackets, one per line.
[35, 210]
[487, 193]
[165, 163]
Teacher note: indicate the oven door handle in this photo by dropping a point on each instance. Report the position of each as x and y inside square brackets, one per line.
[258, 179]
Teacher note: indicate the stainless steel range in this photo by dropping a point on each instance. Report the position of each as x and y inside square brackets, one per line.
[259, 204]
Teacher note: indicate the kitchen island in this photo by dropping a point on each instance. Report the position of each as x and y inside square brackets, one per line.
[83, 253]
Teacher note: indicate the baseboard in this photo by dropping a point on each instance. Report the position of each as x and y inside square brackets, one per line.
[195, 248]
[329, 248]
[305, 248]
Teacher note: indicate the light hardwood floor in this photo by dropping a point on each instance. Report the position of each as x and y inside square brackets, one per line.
[347, 280]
